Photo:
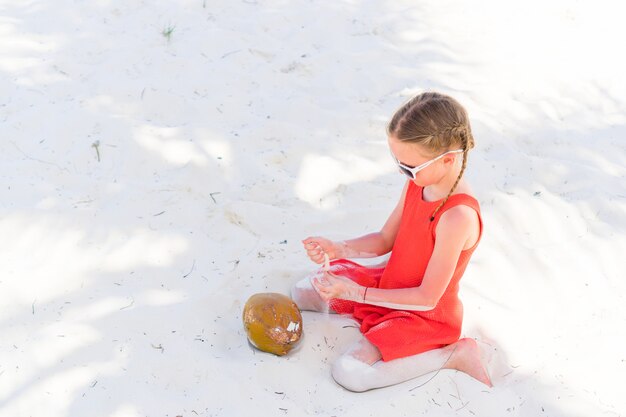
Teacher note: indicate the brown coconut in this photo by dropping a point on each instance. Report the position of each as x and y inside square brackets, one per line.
[273, 322]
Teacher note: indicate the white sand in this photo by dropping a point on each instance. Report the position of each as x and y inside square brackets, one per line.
[262, 122]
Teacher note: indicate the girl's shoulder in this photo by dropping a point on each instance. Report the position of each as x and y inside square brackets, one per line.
[463, 215]
[464, 188]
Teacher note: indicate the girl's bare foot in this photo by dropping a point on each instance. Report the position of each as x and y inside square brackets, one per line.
[466, 357]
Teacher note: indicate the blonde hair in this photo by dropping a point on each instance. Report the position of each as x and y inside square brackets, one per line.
[436, 122]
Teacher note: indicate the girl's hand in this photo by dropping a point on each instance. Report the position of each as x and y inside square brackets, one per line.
[335, 286]
[316, 247]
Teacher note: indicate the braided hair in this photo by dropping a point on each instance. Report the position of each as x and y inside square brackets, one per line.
[437, 122]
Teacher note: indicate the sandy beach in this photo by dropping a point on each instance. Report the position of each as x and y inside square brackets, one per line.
[160, 162]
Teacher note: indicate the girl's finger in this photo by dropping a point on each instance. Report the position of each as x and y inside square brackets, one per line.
[310, 242]
[339, 277]
[323, 292]
[329, 276]
[313, 249]
[316, 285]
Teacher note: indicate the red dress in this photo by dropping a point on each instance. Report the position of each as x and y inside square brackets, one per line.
[399, 333]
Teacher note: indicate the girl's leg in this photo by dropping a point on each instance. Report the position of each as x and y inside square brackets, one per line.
[307, 299]
[359, 369]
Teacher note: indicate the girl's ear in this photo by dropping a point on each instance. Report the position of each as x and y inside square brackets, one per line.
[449, 159]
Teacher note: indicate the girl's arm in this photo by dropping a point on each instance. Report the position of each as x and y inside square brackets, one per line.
[366, 246]
[453, 230]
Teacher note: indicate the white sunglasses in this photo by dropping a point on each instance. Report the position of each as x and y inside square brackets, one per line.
[411, 171]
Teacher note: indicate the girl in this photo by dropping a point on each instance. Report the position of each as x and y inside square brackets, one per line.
[408, 308]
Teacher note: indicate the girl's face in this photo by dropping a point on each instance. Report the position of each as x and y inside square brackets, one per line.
[412, 155]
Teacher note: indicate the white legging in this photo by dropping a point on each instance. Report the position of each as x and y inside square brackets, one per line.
[353, 370]
[360, 368]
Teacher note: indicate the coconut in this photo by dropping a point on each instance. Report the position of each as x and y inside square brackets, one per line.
[273, 322]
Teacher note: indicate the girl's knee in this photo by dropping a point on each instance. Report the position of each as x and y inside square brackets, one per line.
[294, 292]
[300, 291]
[351, 373]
